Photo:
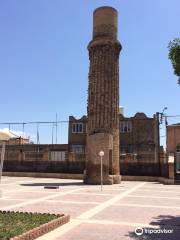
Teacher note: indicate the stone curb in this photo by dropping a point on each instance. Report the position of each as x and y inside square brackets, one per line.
[44, 175]
[42, 229]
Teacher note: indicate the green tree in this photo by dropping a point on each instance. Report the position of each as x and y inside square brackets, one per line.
[174, 56]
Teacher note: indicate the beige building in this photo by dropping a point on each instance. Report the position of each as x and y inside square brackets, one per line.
[173, 147]
[173, 138]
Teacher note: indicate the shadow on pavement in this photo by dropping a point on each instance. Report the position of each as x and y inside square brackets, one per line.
[53, 184]
[168, 229]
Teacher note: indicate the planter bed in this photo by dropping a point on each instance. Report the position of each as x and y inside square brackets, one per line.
[28, 225]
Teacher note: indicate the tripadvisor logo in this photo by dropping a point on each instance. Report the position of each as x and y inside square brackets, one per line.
[139, 231]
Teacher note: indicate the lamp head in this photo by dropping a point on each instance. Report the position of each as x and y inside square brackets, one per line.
[101, 153]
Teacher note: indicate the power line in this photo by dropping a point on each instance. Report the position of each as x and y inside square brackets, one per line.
[66, 121]
[23, 123]
[172, 116]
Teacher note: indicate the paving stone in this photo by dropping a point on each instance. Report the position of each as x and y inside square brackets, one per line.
[96, 214]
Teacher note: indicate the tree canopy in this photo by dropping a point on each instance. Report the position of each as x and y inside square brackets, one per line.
[174, 56]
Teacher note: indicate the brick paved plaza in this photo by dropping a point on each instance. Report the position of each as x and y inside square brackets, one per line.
[112, 214]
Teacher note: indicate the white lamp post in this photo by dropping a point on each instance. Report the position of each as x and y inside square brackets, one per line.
[101, 154]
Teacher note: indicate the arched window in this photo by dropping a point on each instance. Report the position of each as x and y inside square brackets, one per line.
[125, 126]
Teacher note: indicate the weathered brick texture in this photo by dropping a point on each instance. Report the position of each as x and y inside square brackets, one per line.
[103, 97]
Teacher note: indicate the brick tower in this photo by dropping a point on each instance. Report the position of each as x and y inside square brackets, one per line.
[103, 99]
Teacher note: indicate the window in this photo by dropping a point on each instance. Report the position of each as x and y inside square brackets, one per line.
[77, 128]
[77, 148]
[58, 155]
[125, 126]
[127, 149]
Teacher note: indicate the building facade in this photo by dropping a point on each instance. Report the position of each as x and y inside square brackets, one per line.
[77, 133]
[173, 147]
[139, 148]
[43, 158]
[173, 138]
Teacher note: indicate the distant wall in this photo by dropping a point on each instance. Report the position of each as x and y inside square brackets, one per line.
[143, 165]
[44, 166]
[144, 169]
[78, 167]
[26, 158]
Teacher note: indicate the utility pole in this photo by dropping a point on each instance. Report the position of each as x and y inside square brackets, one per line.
[56, 128]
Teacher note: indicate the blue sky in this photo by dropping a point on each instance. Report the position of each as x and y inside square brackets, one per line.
[44, 59]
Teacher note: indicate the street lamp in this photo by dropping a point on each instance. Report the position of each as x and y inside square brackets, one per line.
[165, 108]
[101, 154]
[163, 115]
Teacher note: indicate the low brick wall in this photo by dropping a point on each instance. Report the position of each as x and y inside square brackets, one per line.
[44, 166]
[78, 167]
[43, 229]
[143, 169]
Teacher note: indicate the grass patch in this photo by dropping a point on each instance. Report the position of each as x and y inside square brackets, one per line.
[16, 223]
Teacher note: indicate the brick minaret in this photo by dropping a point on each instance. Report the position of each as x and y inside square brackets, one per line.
[103, 99]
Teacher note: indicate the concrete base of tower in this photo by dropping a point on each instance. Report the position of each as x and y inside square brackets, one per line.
[116, 179]
[94, 163]
[107, 180]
